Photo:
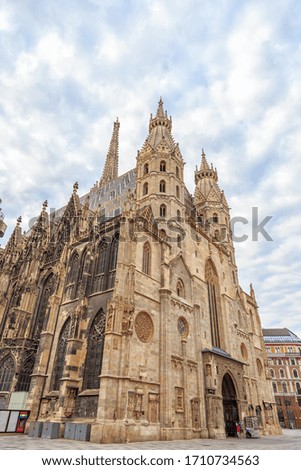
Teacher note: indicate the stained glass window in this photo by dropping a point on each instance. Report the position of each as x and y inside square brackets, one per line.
[94, 352]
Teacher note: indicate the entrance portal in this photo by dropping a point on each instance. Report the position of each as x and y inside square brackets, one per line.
[230, 405]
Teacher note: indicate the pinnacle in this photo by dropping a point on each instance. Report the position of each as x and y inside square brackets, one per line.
[204, 164]
[160, 110]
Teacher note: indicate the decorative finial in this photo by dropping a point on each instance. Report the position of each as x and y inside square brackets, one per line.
[160, 111]
[75, 187]
[19, 220]
[203, 153]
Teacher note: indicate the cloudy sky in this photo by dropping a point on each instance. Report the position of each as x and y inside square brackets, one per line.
[229, 72]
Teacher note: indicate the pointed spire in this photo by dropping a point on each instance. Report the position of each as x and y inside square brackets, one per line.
[206, 172]
[160, 111]
[15, 238]
[75, 187]
[110, 171]
[161, 119]
[204, 164]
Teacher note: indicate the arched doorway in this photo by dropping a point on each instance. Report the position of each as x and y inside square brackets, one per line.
[230, 406]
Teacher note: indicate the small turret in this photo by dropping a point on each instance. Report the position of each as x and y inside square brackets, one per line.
[211, 205]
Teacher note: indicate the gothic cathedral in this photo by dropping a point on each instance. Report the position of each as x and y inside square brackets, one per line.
[123, 311]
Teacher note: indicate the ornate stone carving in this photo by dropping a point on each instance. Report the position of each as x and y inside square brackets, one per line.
[179, 399]
[144, 327]
[181, 305]
[195, 413]
[69, 401]
[135, 404]
[183, 327]
[153, 407]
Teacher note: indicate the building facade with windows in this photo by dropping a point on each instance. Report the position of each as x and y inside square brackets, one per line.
[284, 358]
[123, 309]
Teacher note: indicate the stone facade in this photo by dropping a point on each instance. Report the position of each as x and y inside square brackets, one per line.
[123, 309]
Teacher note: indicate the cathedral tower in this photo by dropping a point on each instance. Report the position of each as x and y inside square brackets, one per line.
[211, 205]
[160, 169]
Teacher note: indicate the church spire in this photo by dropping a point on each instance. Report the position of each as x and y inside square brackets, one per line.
[160, 111]
[110, 171]
[205, 171]
[160, 120]
[204, 164]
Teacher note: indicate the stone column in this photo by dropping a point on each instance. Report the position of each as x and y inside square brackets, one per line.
[200, 369]
[165, 363]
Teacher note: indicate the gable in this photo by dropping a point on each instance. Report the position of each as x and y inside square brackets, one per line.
[180, 271]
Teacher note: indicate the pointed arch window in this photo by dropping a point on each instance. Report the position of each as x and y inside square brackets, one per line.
[274, 387]
[100, 267]
[295, 373]
[177, 172]
[214, 302]
[146, 258]
[60, 357]
[43, 311]
[82, 266]
[281, 372]
[162, 165]
[163, 210]
[25, 375]
[178, 215]
[215, 218]
[7, 372]
[101, 258]
[84, 277]
[284, 387]
[180, 288]
[162, 186]
[94, 355]
[16, 296]
[113, 262]
[114, 252]
[145, 169]
[178, 192]
[298, 388]
[145, 189]
[73, 275]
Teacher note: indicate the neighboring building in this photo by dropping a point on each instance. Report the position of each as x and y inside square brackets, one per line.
[124, 309]
[284, 356]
